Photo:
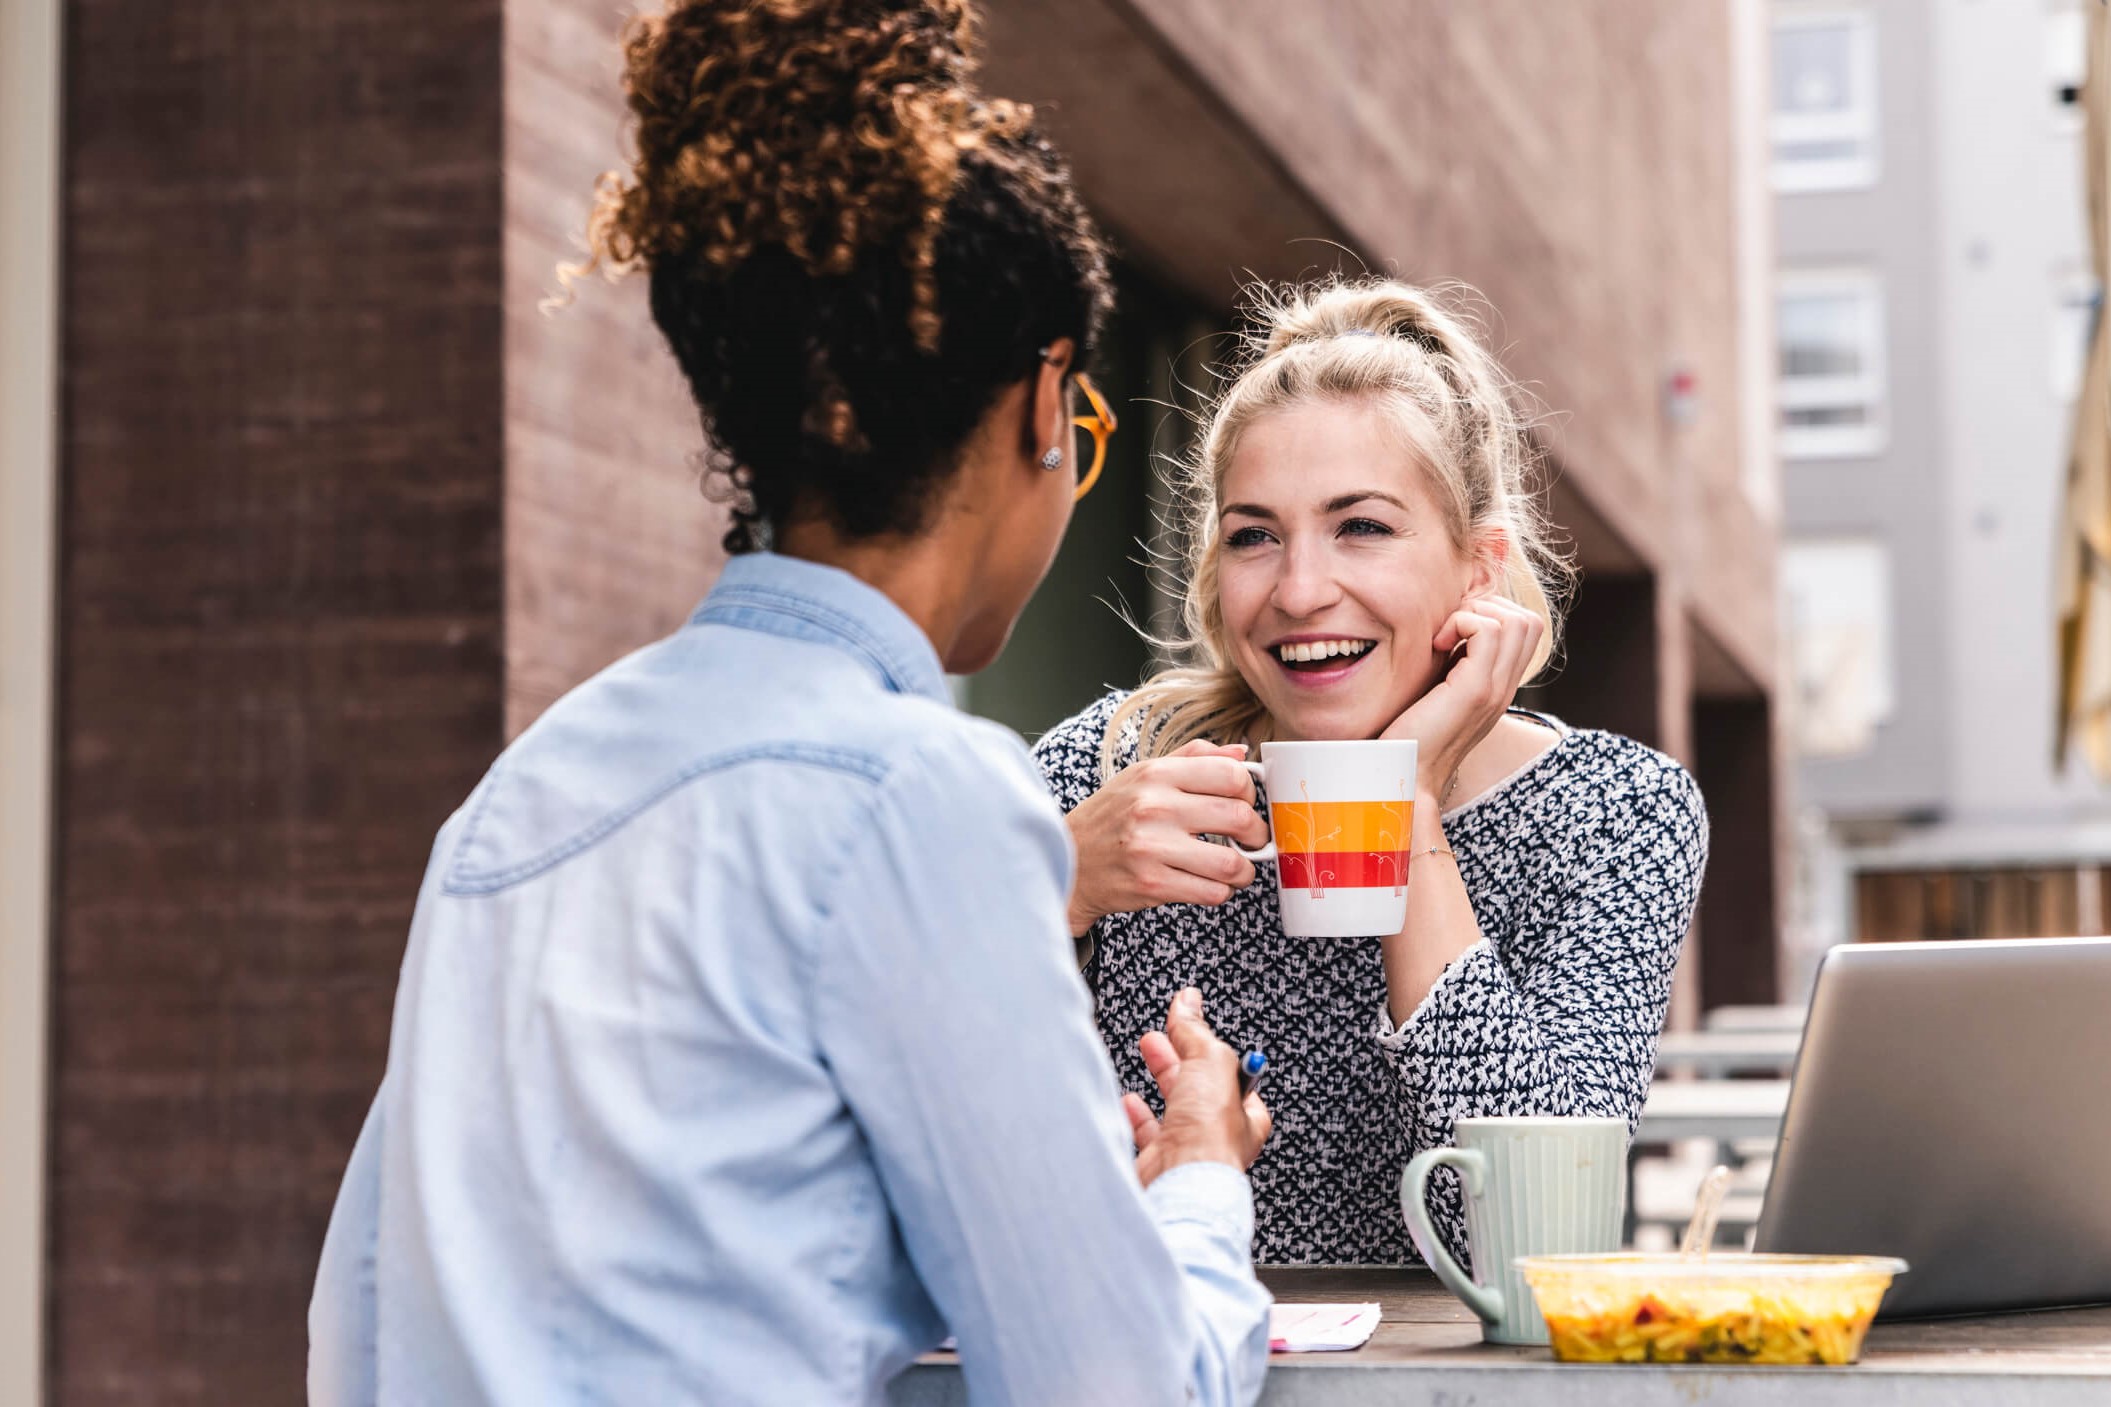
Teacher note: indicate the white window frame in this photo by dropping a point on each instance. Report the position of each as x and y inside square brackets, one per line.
[1869, 388]
[2066, 118]
[1858, 124]
[1879, 654]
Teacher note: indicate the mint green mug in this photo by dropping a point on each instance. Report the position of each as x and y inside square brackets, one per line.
[1534, 1187]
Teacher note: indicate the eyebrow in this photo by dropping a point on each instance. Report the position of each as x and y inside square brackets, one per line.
[1337, 504]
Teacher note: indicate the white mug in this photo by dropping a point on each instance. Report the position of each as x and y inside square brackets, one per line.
[1339, 814]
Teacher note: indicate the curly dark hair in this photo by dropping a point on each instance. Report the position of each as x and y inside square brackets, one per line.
[851, 251]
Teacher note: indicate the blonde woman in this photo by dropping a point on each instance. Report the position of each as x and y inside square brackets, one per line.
[1366, 561]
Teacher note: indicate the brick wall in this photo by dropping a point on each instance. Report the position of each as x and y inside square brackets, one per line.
[609, 538]
[341, 511]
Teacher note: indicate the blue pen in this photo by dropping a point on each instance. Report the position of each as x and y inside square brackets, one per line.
[1252, 1065]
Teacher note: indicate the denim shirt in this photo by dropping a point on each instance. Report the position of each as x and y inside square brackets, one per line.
[739, 1054]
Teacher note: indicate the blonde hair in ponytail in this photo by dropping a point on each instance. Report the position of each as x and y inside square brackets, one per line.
[1418, 355]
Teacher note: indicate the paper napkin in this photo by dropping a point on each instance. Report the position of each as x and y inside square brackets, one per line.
[1320, 1328]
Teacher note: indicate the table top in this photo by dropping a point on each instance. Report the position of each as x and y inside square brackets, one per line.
[1719, 1109]
[1755, 1018]
[1428, 1348]
[1728, 1052]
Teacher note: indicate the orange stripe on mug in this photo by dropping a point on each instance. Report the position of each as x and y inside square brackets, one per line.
[1312, 826]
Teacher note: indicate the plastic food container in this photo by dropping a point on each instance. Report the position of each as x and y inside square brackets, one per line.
[1728, 1308]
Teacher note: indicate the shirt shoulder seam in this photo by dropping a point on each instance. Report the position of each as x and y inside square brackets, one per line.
[463, 881]
[727, 610]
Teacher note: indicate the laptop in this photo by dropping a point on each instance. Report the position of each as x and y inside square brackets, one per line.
[1952, 1106]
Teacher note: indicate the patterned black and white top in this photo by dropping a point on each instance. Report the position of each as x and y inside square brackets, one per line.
[1583, 869]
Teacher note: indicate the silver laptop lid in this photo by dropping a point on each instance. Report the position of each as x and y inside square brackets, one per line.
[1952, 1105]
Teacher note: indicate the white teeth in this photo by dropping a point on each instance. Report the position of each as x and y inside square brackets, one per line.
[1321, 649]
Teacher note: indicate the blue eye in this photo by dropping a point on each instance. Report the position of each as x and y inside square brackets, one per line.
[1366, 527]
[1246, 537]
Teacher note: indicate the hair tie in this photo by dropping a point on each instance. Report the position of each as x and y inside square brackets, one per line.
[1356, 332]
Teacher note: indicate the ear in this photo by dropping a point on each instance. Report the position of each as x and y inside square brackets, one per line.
[1048, 404]
[1490, 563]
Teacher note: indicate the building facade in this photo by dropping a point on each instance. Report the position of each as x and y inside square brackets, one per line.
[1933, 297]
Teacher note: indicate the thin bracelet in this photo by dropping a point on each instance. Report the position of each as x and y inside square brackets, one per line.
[1438, 850]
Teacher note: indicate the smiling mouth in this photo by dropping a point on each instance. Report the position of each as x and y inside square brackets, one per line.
[1321, 656]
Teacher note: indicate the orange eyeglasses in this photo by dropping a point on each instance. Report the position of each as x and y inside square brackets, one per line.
[1100, 425]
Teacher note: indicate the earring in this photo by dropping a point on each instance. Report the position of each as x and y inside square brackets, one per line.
[1053, 459]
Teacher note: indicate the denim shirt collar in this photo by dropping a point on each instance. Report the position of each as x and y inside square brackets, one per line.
[805, 600]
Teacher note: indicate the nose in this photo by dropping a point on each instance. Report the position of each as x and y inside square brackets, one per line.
[1307, 584]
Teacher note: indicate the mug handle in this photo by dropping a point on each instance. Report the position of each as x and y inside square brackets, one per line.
[1266, 852]
[1484, 1300]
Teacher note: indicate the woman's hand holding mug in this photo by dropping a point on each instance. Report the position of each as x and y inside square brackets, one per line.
[1491, 640]
[1138, 837]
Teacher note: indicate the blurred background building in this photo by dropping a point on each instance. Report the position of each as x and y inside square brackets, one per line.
[308, 509]
[1935, 298]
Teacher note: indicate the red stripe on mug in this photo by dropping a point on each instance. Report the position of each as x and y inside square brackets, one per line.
[1343, 869]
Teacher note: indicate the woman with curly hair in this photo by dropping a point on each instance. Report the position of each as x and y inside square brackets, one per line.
[1366, 561]
[739, 1051]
